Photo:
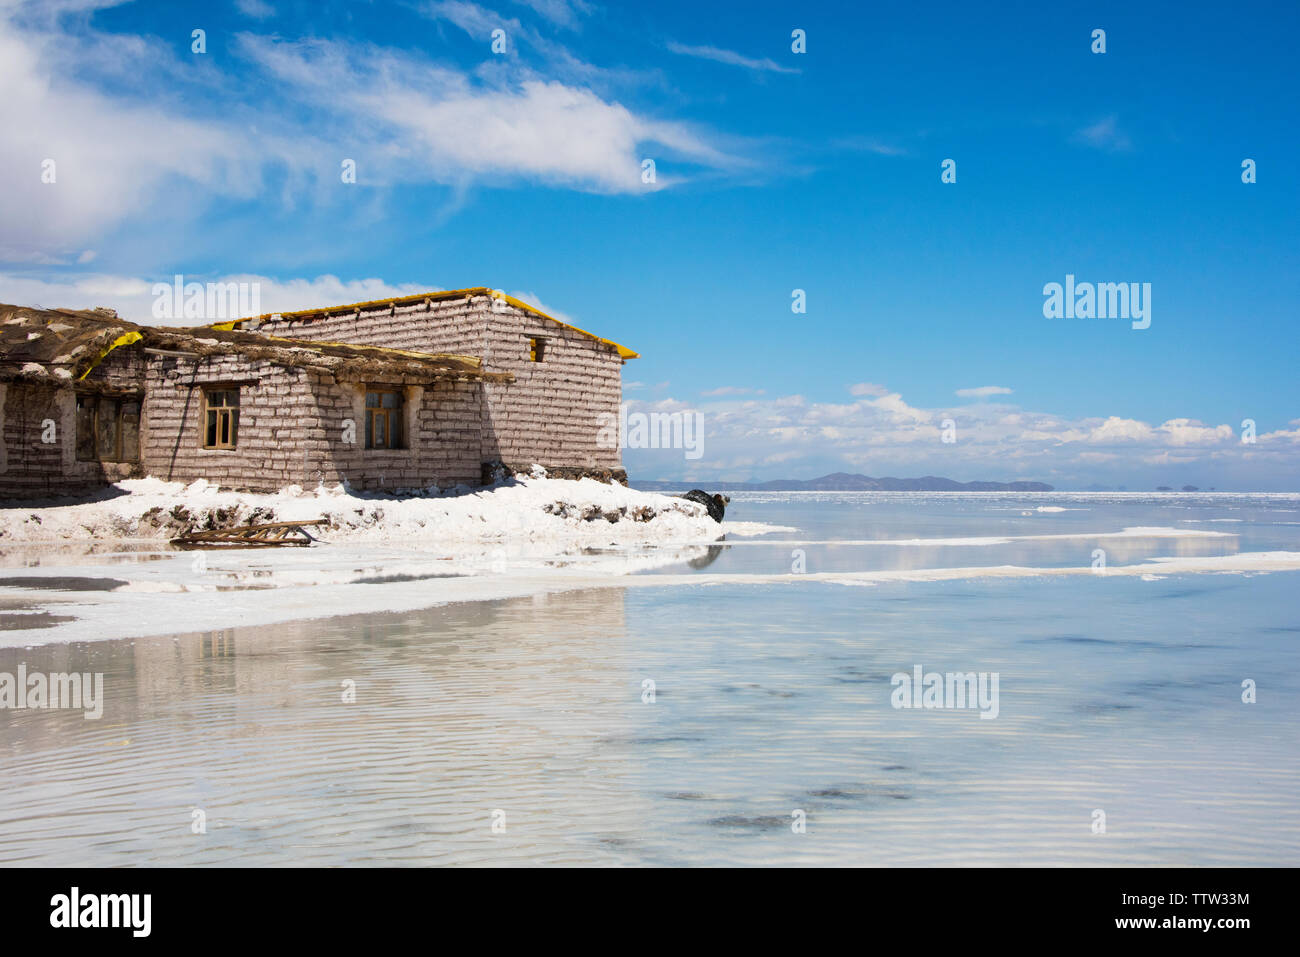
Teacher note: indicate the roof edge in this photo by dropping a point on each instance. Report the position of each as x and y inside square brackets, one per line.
[623, 351]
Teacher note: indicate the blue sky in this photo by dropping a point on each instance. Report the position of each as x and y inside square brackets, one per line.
[774, 170]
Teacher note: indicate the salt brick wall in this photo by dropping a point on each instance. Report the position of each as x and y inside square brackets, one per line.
[32, 468]
[444, 326]
[122, 369]
[550, 414]
[440, 431]
[291, 429]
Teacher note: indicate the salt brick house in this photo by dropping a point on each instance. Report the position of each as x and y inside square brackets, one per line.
[436, 389]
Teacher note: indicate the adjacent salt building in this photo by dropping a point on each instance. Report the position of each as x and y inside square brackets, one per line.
[406, 394]
[562, 379]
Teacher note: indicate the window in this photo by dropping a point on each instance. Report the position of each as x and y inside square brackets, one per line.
[108, 428]
[221, 418]
[383, 419]
[536, 350]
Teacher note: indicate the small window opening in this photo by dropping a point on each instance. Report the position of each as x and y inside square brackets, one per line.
[108, 428]
[220, 418]
[384, 419]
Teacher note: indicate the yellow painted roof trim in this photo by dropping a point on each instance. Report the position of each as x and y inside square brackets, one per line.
[622, 350]
[123, 340]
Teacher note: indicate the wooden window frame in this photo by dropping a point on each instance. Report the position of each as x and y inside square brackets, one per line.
[99, 403]
[227, 412]
[536, 349]
[390, 416]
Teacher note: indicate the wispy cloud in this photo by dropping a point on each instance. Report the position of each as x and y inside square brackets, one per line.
[558, 60]
[983, 391]
[868, 388]
[562, 13]
[729, 57]
[868, 144]
[1105, 134]
[477, 21]
[733, 390]
[256, 9]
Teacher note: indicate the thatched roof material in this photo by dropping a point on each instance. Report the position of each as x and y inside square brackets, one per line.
[57, 345]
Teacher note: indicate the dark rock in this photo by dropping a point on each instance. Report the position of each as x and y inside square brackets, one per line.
[716, 504]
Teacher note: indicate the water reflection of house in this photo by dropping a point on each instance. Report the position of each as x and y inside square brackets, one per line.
[434, 389]
[450, 656]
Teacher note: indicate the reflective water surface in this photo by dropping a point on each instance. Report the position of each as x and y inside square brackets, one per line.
[1117, 695]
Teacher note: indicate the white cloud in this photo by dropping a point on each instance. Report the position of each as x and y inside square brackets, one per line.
[137, 134]
[867, 388]
[1116, 429]
[110, 155]
[1191, 432]
[535, 301]
[898, 410]
[133, 297]
[434, 123]
[771, 437]
[983, 391]
[729, 57]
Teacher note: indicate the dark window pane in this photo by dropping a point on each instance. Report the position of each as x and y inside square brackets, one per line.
[106, 430]
[392, 400]
[130, 430]
[234, 423]
[372, 400]
[85, 428]
[211, 437]
[223, 399]
[370, 430]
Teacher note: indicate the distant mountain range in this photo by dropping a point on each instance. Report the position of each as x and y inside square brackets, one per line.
[844, 482]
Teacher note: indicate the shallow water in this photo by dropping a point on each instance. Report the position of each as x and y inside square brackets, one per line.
[1116, 694]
